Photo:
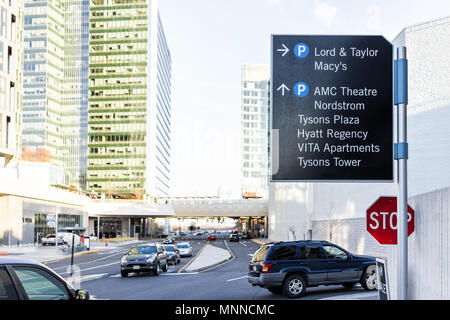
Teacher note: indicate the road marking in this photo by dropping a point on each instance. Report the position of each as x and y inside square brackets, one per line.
[88, 277]
[243, 244]
[251, 254]
[237, 278]
[178, 274]
[96, 267]
[162, 274]
[103, 258]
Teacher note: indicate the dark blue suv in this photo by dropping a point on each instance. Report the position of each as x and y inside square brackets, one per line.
[291, 267]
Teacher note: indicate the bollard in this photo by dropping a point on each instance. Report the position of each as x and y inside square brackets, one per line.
[6, 253]
[106, 244]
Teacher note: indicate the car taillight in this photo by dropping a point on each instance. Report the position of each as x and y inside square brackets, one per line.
[266, 267]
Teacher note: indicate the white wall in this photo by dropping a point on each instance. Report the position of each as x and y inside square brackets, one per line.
[287, 211]
[428, 249]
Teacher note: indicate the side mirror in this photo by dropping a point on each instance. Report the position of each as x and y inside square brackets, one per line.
[81, 295]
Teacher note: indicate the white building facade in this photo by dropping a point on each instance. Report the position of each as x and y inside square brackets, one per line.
[11, 72]
[255, 130]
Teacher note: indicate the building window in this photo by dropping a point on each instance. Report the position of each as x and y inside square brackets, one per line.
[3, 23]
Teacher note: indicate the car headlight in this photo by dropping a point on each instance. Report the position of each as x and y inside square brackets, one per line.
[124, 260]
[150, 260]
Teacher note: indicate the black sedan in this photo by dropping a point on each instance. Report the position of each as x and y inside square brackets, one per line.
[144, 258]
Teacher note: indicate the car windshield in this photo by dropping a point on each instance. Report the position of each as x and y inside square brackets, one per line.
[143, 250]
[183, 246]
[260, 254]
[169, 248]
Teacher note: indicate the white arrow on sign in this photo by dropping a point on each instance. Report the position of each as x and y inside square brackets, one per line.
[285, 50]
[283, 87]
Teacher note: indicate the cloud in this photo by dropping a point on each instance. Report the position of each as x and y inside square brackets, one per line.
[373, 17]
[325, 13]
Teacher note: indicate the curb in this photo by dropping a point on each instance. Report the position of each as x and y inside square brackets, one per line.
[214, 265]
[258, 241]
[75, 255]
[193, 258]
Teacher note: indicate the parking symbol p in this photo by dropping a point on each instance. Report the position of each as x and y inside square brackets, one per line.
[301, 89]
[301, 50]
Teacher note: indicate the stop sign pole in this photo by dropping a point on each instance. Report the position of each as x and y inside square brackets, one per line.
[401, 155]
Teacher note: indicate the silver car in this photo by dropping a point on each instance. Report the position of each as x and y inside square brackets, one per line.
[185, 249]
[22, 279]
[50, 240]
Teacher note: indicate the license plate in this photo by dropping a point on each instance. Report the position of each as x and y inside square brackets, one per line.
[255, 268]
[136, 267]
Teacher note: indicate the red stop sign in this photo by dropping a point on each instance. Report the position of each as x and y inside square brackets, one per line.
[381, 220]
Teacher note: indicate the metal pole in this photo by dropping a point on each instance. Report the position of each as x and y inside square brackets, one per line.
[56, 232]
[402, 199]
[71, 259]
[98, 228]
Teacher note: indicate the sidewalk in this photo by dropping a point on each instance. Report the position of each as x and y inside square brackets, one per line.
[208, 257]
[49, 254]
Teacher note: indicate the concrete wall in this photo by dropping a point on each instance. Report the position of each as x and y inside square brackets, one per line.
[428, 248]
[287, 211]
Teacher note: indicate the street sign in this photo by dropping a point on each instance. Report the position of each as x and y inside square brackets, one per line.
[331, 108]
[381, 220]
[383, 280]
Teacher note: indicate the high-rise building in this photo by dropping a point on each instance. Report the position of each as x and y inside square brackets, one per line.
[255, 130]
[56, 70]
[129, 101]
[11, 52]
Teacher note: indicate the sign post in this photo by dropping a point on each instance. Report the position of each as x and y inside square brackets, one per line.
[331, 109]
[401, 155]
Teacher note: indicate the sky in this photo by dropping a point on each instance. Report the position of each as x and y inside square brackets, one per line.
[210, 40]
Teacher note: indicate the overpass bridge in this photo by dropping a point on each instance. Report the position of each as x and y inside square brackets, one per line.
[118, 217]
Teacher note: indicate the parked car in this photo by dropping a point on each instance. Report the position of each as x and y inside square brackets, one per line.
[169, 241]
[245, 236]
[50, 240]
[22, 279]
[198, 233]
[211, 237]
[173, 254]
[291, 267]
[185, 249]
[144, 258]
[234, 237]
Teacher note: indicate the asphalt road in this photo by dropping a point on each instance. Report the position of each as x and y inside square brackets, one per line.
[101, 277]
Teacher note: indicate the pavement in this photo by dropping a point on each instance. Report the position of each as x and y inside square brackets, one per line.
[46, 254]
[209, 274]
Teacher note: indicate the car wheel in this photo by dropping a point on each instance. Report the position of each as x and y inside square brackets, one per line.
[369, 278]
[294, 286]
[157, 271]
[166, 266]
[349, 284]
[124, 274]
[276, 290]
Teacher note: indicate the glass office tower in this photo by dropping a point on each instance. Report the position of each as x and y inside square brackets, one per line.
[255, 130]
[129, 101]
[11, 24]
[56, 53]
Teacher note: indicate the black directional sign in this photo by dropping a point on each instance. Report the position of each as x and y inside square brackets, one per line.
[331, 108]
